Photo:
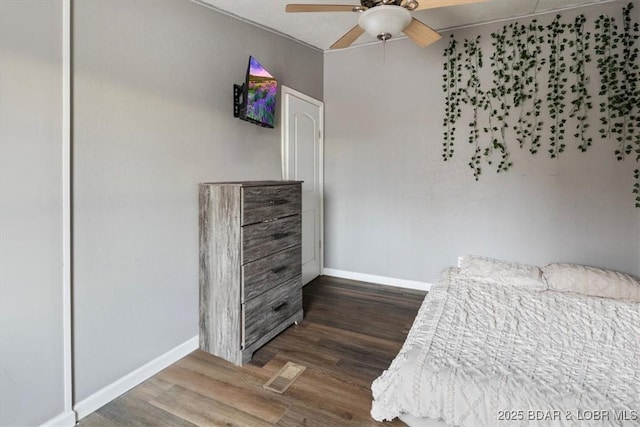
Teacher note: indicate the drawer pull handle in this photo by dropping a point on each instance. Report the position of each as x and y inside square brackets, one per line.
[278, 236]
[278, 202]
[279, 306]
[279, 269]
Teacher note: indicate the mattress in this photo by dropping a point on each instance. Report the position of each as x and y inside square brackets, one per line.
[480, 355]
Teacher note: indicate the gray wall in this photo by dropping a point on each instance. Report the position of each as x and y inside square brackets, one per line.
[152, 118]
[31, 346]
[635, 15]
[394, 208]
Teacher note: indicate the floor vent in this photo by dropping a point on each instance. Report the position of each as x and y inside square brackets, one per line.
[284, 377]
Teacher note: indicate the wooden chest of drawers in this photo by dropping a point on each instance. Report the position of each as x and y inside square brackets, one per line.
[250, 265]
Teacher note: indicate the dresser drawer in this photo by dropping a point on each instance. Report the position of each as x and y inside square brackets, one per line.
[269, 202]
[260, 240]
[266, 273]
[268, 310]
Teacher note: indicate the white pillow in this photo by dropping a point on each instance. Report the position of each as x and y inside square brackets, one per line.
[592, 281]
[496, 272]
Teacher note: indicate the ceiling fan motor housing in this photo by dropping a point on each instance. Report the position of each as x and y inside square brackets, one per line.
[384, 22]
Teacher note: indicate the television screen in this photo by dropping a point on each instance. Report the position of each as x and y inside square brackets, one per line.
[260, 95]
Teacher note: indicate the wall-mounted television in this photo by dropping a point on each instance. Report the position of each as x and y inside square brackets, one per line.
[255, 100]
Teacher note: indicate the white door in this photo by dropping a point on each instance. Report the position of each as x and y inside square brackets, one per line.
[302, 156]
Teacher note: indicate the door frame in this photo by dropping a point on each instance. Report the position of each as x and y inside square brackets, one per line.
[286, 173]
[68, 361]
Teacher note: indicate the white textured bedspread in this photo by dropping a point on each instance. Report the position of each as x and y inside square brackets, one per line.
[490, 355]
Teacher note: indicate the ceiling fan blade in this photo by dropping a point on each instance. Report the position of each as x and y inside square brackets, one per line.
[319, 8]
[347, 39]
[432, 4]
[421, 34]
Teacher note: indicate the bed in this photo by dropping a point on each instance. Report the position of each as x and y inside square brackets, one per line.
[498, 343]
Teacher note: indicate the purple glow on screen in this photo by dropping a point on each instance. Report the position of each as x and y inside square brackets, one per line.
[261, 94]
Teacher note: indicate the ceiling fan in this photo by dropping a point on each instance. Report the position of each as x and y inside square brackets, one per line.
[384, 19]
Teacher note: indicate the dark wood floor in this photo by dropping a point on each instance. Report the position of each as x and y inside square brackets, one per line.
[350, 333]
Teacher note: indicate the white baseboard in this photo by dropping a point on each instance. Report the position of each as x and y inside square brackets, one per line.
[126, 383]
[381, 280]
[66, 419]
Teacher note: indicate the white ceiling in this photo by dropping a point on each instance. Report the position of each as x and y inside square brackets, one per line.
[321, 30]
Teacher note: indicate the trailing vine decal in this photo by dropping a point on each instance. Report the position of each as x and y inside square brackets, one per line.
[497, 101]
[630, 89]
[629, 93]
[528, 48]
[511, 103]
[636, 186]
[475, 97]
[451, 87]
[557, 80]
[606, 44]
[582, 101]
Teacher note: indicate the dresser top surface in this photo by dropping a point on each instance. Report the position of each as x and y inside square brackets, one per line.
[252, 183]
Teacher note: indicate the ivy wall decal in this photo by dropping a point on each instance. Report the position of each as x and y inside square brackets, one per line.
[512, 108]
[474, 96]
[527, 46]
[451, 87]
[556, 81]
[497, 100]
[606, 46]
[582, 101]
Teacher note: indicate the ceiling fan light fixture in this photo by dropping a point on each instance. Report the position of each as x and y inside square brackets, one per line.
[384, 22]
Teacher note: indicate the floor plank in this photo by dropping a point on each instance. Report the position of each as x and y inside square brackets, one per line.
[204, 411]
[350, 333]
